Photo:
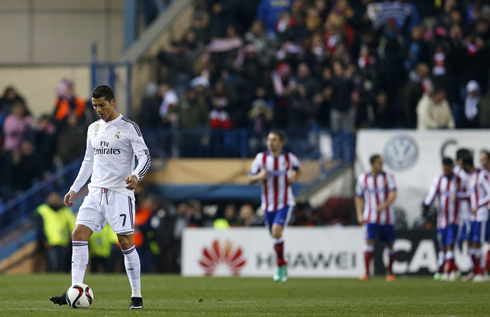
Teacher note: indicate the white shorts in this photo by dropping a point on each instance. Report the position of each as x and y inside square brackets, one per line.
[103, 206]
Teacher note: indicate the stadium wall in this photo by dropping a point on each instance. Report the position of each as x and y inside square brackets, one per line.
[414, 158]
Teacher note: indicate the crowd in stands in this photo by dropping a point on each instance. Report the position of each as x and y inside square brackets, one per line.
[31, 149]
[338, 64]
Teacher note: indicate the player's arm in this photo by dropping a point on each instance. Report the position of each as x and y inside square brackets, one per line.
[391, 193]
[296, 170]
[142, 154]
[359, 200]
[483, 201]
[84, 174]
[429, 199]
[257, 173]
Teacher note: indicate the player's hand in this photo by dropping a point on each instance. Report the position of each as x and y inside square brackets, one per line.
[69, 198]
[132, 182]
[381, 207]
[360, 220]
[474, 210]
[291, 180]
[263, 175]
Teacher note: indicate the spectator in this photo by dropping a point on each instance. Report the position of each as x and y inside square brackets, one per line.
[284, 87]
[150, 106]
[220, 16]
[16, 127]
[45, 142]
[433, 111]
[27, 170]
[342, 114]
[471, 105]
[71, 139]
[258, 37]
[383, 112]
[169, 99]
[247, 216]
[219, 116]
[9, 98]
[231, 216]
[261, 116]
[66, 101]
[55, 224]
[6, 173]
[200, 28]
[191, 112]
[418, 83]
[100, 248]
[269, 11]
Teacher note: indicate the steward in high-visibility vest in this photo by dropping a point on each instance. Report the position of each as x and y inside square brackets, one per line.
[57, 225]
[100, 245]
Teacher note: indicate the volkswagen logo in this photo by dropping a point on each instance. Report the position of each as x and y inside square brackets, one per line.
[401, 153]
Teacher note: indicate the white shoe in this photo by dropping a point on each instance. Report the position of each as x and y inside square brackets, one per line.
[479, 278]
[467, 277]
[444, 277]
[452, 276]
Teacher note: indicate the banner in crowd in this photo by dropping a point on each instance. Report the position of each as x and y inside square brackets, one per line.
[311, 252]
[414, 157]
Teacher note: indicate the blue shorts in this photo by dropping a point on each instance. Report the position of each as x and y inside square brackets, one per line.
[447, 236]
[280, 217]
[477, 231]
[464, 233]
[386, 232]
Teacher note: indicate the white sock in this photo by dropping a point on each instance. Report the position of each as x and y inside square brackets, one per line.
[133, 269]
[79, 261]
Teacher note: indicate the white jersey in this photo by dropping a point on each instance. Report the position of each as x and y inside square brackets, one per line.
[375, 190]
[110, 155]
[479, 191]
[450, 192]
[276, 193]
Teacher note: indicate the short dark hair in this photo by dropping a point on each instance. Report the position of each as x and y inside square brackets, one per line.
[374, 158]
[447, 161]
[468, 160]
[103, 91]
[462, 153]
[280, 134]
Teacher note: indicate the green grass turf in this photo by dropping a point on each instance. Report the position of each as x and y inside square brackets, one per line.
[28, 295]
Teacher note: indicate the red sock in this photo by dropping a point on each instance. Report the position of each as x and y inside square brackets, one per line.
[476, 264]
[391, 259]
[279, 247]
[367, 260]
[450, 265]
[487, 262]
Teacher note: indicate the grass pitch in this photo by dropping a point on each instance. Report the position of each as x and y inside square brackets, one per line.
[28, 295]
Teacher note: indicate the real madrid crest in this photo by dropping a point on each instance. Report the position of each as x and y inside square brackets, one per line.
[97, 127]
[117, 136]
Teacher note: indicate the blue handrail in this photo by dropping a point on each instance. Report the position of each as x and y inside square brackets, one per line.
[21, 207]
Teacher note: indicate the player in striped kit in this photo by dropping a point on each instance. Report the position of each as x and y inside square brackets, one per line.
[485, 163]
[449, 188]
[278, 170]
[479, 191]
[464, 204]
[376, 191]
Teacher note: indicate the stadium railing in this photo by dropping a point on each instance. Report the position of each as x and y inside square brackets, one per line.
[15, 211]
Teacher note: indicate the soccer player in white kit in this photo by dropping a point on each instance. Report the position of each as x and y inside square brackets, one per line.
[112, 144]
[376, 191]
[278, 170]
[485, 163]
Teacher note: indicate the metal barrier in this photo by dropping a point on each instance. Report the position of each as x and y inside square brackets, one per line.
[246, 143]
[21, 207]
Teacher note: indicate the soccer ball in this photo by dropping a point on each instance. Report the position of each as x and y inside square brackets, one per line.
[79, 296]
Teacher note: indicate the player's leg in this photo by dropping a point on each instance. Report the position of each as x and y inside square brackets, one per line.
[441, 255]
[120, 215]
[89, 220]
[487, 257]
[371, 231]
[387, 235]
[451, 268]
[281, 220]
[478, 240]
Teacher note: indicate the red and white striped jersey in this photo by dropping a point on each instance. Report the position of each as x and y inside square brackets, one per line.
[375, 190]
[450, 192]
[276, 193]
[464, 204]
[479, 191]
